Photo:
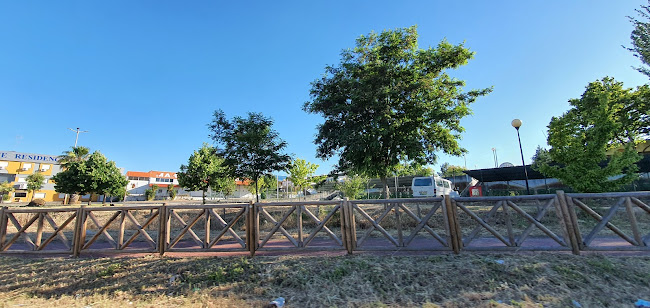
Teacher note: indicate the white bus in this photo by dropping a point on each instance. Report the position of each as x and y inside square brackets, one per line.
[431, 186]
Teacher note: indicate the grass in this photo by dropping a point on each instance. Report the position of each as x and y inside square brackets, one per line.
[539, 280]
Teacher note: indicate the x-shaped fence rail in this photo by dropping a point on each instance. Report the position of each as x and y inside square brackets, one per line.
[576, 222]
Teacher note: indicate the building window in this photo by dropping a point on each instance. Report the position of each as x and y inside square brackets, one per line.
[164, 180]
[20, 195]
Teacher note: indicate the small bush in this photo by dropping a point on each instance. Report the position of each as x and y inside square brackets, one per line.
[36, 202]
[149, 194]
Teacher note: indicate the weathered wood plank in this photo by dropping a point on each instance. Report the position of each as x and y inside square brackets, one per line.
[321, 226]
[57, 231]
[185, 229]
[101, 231]
[278, 226]
[599, 218]
[536, 223]
[482, 223]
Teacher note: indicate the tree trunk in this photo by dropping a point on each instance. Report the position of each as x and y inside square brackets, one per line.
[74, 199]
[384, 183]
[104, 200]
[257, 196]
[203, 191]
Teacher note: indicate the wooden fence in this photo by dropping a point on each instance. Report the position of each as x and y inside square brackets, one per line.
[569, 222]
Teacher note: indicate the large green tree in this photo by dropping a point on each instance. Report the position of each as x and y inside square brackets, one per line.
[390, 101]
[108, 179]
[249, 145]
[94, 174]
[205, 169]
[35, 183]
[597, 122]
[75, 154]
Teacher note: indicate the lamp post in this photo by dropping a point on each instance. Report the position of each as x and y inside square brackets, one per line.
[516, 123]
[77, 138]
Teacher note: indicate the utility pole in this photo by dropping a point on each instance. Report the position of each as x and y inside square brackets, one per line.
[77, 131]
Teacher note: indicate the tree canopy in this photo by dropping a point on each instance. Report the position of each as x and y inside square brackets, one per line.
[641, 38]
[205, 169]
[35, 182]
[249, 145]
[94, 174]
[390, 101]
[599, 121]
[301, 174]
[447, 170]
[412, 169]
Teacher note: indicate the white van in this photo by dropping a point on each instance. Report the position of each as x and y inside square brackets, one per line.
[431, 186]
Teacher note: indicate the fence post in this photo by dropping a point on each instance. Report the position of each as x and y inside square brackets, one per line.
[565, 220]
[3, 227]
[454, 228]
[78, 229]
[347, 226]
[162, 228]
[299, 225]
[343, 210]
[251, 229]
[353, 226]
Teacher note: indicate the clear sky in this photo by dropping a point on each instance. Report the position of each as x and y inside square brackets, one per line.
[143, 77]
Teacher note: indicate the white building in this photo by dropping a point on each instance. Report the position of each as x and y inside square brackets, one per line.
[141, 181]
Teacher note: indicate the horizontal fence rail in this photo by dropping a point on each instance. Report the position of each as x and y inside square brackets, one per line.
[562, 222]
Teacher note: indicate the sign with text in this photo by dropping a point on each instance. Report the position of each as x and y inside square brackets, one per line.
[27, 157]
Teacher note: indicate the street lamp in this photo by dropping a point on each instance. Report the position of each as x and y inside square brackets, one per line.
[516, 123]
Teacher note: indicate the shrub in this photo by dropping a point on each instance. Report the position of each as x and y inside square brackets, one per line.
[149, 194]
[36, 202]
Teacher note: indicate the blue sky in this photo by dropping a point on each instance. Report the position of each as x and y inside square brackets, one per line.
[143, 77]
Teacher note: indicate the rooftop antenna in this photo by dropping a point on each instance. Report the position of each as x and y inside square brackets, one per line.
[77, 131]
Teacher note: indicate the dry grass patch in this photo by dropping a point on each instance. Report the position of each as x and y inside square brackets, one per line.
[543, 280]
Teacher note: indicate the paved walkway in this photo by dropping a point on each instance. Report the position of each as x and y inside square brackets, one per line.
[327, 247]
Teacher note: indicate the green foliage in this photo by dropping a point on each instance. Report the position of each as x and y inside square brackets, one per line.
[412, 169]
[5, 189]
[92, 174]
[599, 121]
[266, 182]
[171, 192]
[353, 186]
[107, 178]
[641, 38]
[447, 170]
[109, 271]
[227, 186]
[541, 157]
[251, 148]
[35, 182]
[77, 154]
[205, 169]
[390, 101]
[301, 174]
[150, 193]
